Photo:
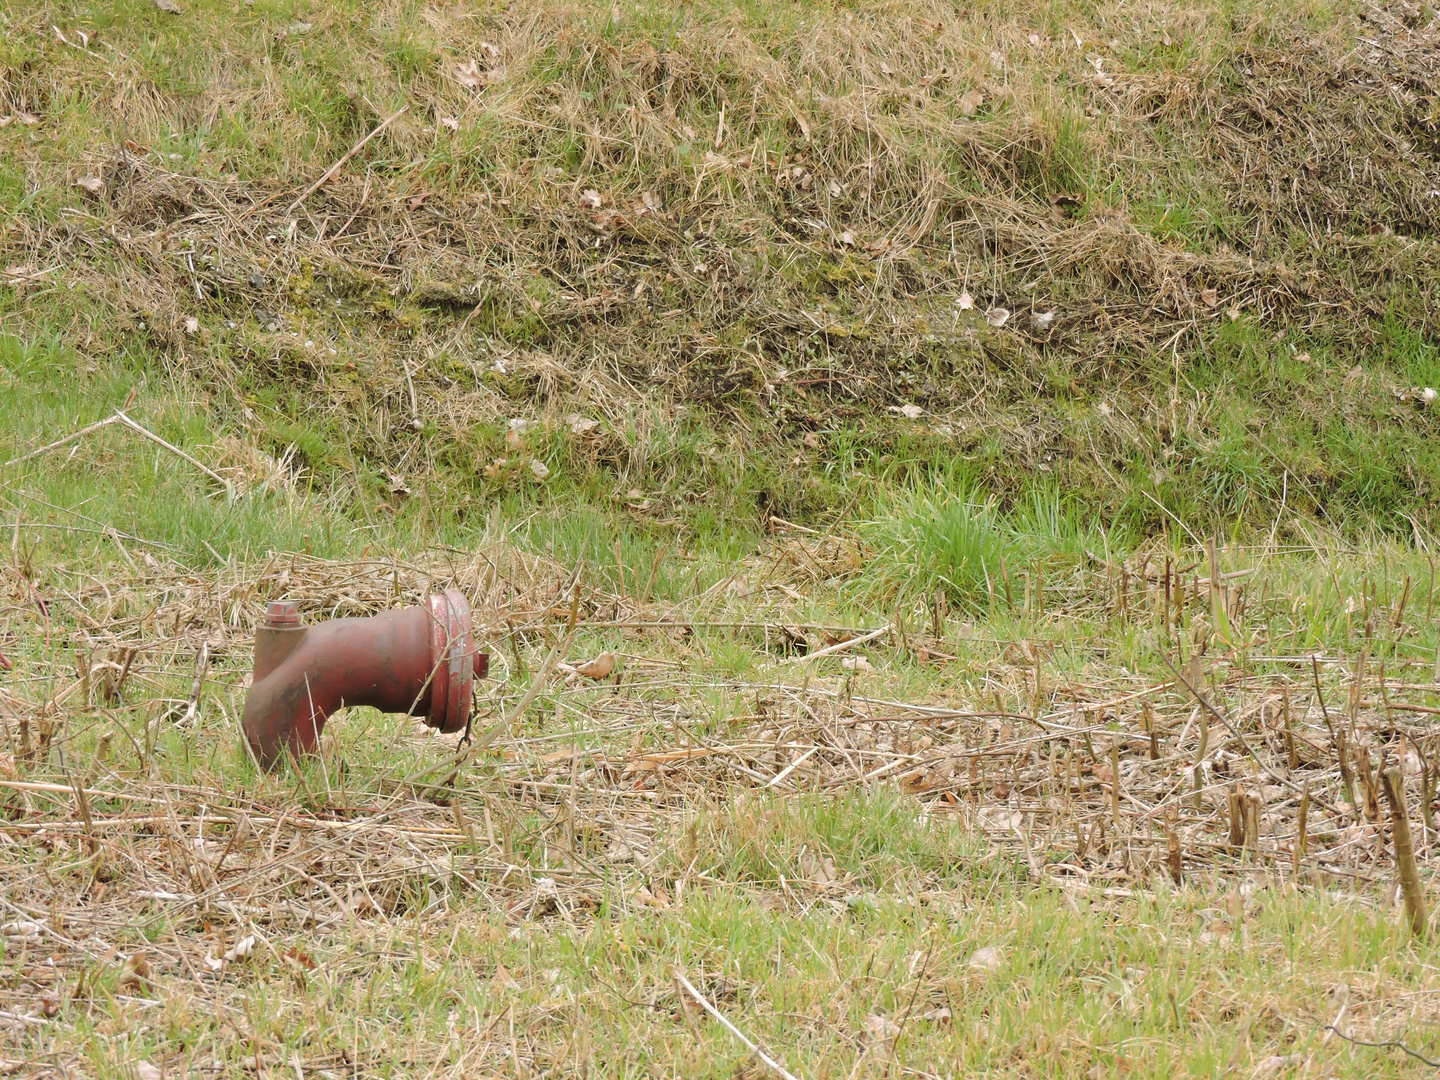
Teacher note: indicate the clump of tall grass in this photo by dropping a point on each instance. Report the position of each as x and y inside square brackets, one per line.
[958, 541]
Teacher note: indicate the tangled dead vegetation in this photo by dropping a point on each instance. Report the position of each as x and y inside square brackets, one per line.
[590, 222]
[128, 799]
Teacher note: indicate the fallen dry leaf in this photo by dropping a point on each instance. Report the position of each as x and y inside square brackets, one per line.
[299, 956]
[856, 663]
[910, 412]
[450, 123]
[1275, 1062]
[970, 102]
[469, 75]
[965, 301]
[504, 980]
[143, 1069]
[598, 668]
[821, 871]
[580, 425]
[243, 948]
[645, 898]
[170, 6]
[997, 316]
[92, 184]
[1209, 297]
[539, 469]
[881, 1028]
[987, 959]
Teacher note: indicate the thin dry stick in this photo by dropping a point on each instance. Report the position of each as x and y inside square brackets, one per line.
[121, 418]
[133, 426]
[66, 441]
[832, 649]
[328, 173]
[728, 1026]
[201, 663]
[1405, 868]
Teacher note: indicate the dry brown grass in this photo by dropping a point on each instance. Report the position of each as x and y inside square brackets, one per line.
[140, 847]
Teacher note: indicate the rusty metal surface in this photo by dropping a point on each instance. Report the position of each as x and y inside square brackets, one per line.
[417, 660]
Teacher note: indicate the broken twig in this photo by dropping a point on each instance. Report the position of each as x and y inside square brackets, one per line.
[780, 1070]
[841, 646]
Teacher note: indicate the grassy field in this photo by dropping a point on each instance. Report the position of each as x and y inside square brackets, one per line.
[1084, 352]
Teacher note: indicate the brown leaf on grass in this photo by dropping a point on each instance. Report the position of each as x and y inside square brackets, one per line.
[987, 959]
[804, 124]
[468, 74]
[881, 1028]
[581, 425]
[92, 184]
[1209, 297]
[503, 980]
[598, 668]
[243, 948]
[997, 316]
[450, 123]
[297, 955]
[170, 6]
[137, 972]
[970, 102]
[645, 898]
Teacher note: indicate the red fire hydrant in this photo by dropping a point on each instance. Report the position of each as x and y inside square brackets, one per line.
[418, 660]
